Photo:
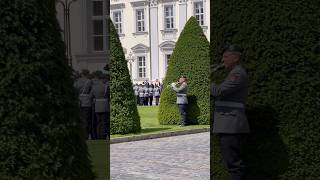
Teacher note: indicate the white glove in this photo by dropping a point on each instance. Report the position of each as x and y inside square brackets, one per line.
[173, 84]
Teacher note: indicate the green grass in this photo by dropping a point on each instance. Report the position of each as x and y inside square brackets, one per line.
[150, 124]
[99, 152]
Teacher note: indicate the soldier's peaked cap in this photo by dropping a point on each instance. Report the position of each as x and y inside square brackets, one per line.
[232, 48]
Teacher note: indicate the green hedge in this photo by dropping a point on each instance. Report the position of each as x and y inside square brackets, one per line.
[283, 105]
[40, 132]
[191, 58]
[124, 113]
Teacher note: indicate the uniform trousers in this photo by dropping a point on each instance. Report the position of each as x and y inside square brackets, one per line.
[232, 151]
[157, 100]
[100, 125]
[150, 100]
[183, 113]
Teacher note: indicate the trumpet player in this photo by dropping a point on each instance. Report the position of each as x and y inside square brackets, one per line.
[182, 100]
[230, 122]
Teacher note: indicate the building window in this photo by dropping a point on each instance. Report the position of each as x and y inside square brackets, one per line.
[99, 29]
[141, 66]
[168, 17]
[167, 57]
[199, 12]
[117, 19]
[140, 20]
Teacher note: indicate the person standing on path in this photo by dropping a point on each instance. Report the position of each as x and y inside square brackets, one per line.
[182, 100]
[99, 98]
[151, 93]
[146, 94]
[230, 122]
[141, 94]
[157, 94]
[84, 86]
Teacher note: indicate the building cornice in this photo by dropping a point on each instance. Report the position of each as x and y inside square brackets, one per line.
[139, 3]
[117, 6]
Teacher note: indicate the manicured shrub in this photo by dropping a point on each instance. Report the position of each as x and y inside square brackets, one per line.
[40, 133]
[190, 58]
[283, 105]
[124, 113]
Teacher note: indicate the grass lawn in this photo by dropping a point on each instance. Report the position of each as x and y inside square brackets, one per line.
[150, 125]
[99, 152]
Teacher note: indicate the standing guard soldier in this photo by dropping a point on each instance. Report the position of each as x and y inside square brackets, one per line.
[98, 95]
[230, 122]
[182, 100]
[146, 94]
[157, 94]
[151, 93]
[141, 94]
[136, 92]
[84, 86]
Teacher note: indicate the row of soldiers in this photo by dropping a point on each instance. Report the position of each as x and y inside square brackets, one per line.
[93, 91]
[145, 93]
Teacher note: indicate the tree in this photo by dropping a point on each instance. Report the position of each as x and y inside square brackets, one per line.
[124, 113]
[40, 132]
[283, 104]
[190, 58]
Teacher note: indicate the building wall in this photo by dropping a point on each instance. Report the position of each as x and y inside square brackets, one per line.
[83, 56]
[156, 42]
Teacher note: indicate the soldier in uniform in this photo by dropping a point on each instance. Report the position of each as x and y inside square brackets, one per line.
[151, 93]
[84, 86]
[230, 122]
[146, 94]
[136, 92]
[157, 94]
[182, 100]
[141, 94]
[98, 95]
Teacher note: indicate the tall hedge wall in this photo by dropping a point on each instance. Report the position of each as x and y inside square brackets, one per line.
[40, 132]
[191, 58]
[283, 105]
[124, 116]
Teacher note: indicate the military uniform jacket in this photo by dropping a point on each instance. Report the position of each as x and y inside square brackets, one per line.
[181, 93]
[146, 92]
[84, 86]
[141, 92]
[156, 91]
[136, 90]
[98, 94]
[230, 97]
[150, 91]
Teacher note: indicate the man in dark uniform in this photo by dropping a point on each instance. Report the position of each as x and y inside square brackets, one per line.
[230, 122]
[84, 86]
[182, 100]
[98, 95]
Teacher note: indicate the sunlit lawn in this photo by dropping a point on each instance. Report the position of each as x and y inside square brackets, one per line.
[150, 125]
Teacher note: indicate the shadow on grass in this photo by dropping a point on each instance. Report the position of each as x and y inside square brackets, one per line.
[151, 130]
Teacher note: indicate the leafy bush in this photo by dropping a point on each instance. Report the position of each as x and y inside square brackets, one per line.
[283, 105]
[190, 58]
[124, 113]
[40, 132]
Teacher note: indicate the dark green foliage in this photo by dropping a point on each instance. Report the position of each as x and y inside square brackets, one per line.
[124, 113]
[283, 106]
[190, 58]
[40, 134]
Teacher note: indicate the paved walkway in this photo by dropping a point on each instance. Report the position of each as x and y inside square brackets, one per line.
[183, 157]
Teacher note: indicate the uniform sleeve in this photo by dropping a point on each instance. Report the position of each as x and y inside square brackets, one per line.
[181, 88]
[232, 83]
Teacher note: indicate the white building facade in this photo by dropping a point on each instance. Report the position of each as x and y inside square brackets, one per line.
[149, 29]
[89, 32]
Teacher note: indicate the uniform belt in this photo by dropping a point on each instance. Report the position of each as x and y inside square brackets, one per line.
[229, 104]
[179, 94]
